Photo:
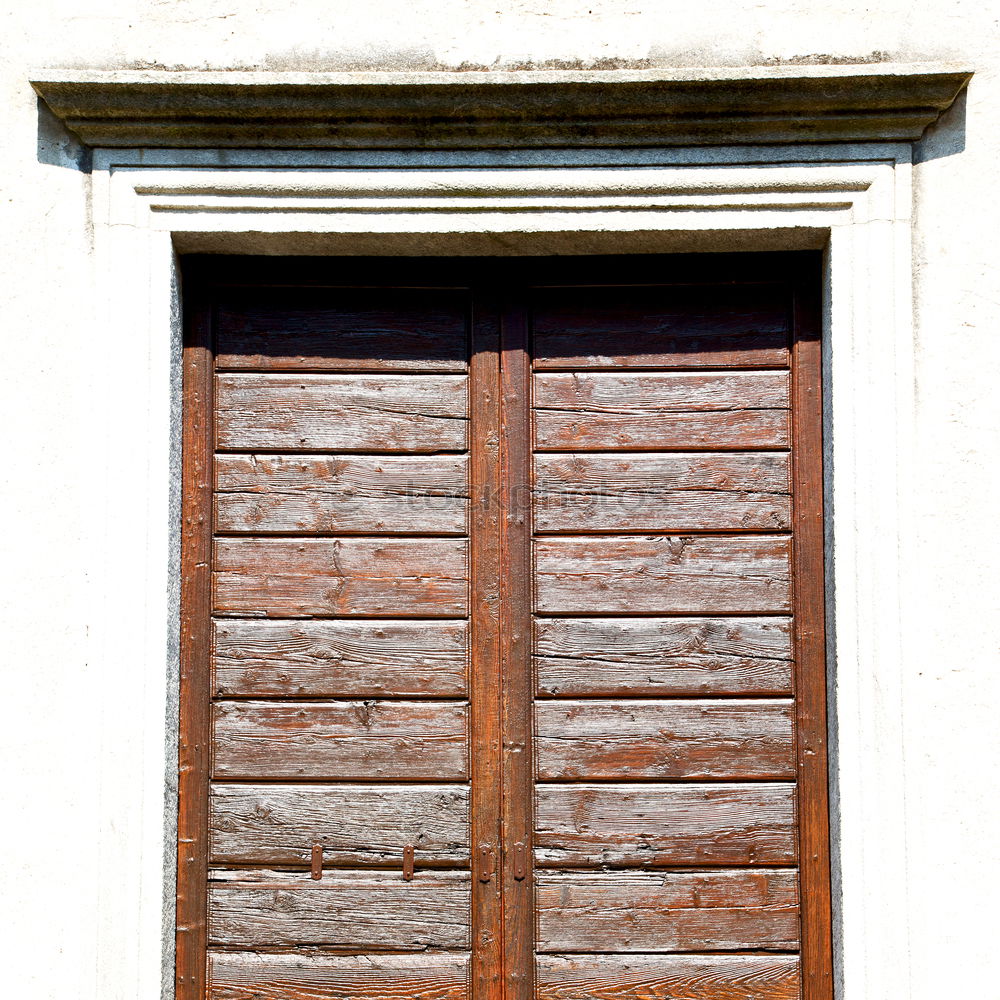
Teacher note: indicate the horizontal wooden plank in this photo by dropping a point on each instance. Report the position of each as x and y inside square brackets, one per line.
[659, 574]
[348, 739]
[342, 494]
[665, 977]
[247, 976]
[343, 329]
[352, 911]
[319, 659]
[410, 413]
[673, 911]
[608, 412]
[664, 326]
[626, 740]
[663, 656]
[282, 577]
[356, 824]
[671, 491]
[651, 824]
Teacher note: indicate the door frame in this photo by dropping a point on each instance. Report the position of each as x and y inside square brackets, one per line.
[851, 201]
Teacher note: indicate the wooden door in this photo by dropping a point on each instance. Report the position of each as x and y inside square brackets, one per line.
[502, 648]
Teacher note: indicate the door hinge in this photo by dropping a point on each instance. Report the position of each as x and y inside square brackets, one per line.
[520, 860]
[317, 861]
[486, 862]
[408, 862]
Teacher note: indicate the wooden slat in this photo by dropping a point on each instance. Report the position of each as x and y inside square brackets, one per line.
[674, 911]
[341, 494]
[694, 739]
[331, 740]
[661, 327]
[414, 413]
[353, 911]
[667, 977]
[244, 976]
[343, 329]
[515, 645]
[718, 824]
[195, 638]
[810, 643]
[608, 412]
[485, 672]
[660, 574]
[337, 659]
[281, 577]
[663, 656]
[356, 824]
[662, 492]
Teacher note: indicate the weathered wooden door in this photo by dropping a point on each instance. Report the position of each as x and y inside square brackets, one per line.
[502, 646]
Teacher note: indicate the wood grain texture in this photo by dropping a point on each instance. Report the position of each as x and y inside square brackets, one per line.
[661, 326]
[608, 412]
[355, 824]
[659, 574]
[667, 977]
[341, 494]
[193, 747]
[348, 739]
[671, 491]
[517, 772]
[674, 825]
[691, 739]
[354, 911]
[810, 644]
[247, 976]
[486, 676]
[673, 911]
[663, 656]
[410, 413]
[337, 659]
[281, 577]
[343, 329]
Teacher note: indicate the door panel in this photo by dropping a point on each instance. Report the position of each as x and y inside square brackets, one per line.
[665, 491]
[247, 976]
[660, 825]
[351, 494]
[663, 487]
[358, 825]
[375, 911]
[663, 656]
[338, 824]
[641, 977]
[502, 666]
[342, 413]
[671, 912]
[340, 658]
[608, 412]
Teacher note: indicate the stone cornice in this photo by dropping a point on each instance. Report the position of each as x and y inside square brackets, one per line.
[512, 110]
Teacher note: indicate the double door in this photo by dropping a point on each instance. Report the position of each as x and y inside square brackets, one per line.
[502, 647]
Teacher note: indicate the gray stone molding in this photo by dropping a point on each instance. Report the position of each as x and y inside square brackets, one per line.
[508, 110]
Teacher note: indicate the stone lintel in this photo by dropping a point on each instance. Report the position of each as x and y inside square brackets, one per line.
[502, 110]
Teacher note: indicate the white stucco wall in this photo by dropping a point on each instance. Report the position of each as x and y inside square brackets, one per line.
[61, 406]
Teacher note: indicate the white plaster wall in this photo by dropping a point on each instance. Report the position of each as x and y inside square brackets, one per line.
[65, 545]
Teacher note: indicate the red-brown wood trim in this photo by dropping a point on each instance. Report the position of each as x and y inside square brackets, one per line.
[195, 644]
[485, 675]
[516, 610]
[810, 640]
